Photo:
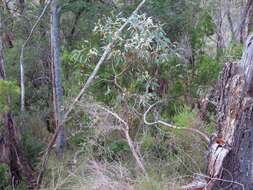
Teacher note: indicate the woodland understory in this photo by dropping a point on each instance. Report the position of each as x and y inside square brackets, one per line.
[126, 94]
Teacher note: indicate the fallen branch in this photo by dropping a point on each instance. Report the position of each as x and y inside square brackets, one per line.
[172, 126]
[215, 179]
[199, 182]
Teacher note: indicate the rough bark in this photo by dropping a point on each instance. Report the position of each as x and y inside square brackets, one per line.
[242, 28]
[219, 32]
[231, 152]
[250, 22]
[230, 22]
[12, 153]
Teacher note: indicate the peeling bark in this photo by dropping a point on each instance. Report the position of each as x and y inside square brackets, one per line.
[230, 153]
[12, 154]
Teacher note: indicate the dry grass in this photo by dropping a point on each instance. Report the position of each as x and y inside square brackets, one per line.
[170, 157]
[92, 175]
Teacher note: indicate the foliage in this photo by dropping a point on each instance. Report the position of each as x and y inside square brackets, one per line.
[144, 38]
[235, 51]
[119, 146]
[139, 50]
[163, 54]
[185, 117]
[32, 147]
[208, 70]
[179, 17]
[3, 175]
[148, 142]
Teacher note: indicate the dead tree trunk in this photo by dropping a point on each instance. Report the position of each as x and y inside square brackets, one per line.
[230, 156]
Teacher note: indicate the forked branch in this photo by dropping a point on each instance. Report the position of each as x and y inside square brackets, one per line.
[125, 129]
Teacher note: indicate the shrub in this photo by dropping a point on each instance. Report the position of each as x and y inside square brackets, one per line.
[3, 175]
[8, 89]
[148, 142]
[185, 117]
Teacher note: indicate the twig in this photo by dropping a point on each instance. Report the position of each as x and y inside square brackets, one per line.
[218, 179]
[201, 183]
[58, 185]
[114, 115]
[170, 125]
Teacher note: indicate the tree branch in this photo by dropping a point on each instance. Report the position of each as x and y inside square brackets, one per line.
[129, 140]
[100, 62]
[203, 135]
[83, 90]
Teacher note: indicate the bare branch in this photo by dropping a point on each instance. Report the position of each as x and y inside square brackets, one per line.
[129, 140]
[170, 125]
[200, 182]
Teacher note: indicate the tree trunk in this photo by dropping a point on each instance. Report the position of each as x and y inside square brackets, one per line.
[11, 152]
[242, 29]
[231, 152]
[250, 22]
[2, 69]
[230, 21]
[219, 33]
[56, 73]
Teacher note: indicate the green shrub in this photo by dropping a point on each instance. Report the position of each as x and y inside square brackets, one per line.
[8, 89]
[32, 147]
[118, 149]
[207, 70]
[236, 50]
[185, 117]
[148, 142]
[3, 175]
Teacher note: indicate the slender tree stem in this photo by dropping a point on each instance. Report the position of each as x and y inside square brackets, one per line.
[21, 58]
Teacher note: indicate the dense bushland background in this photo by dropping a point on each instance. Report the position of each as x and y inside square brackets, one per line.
[170, 54]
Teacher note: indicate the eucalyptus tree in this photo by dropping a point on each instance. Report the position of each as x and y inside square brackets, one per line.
[56, 72]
